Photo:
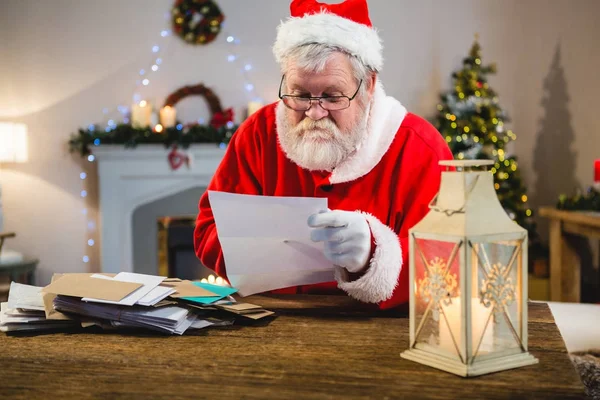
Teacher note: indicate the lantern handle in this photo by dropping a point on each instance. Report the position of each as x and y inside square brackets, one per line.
[449, 212]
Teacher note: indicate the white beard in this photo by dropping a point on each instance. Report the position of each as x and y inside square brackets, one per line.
[318, 145]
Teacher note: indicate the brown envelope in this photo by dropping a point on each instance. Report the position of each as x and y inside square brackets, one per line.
[257, 315]
[240, 307]
[188, 289]
[51, 313]
[83, 285]
[48, 298]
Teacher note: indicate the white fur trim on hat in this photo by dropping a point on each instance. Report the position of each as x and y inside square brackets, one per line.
[357, 39]
[380, 280]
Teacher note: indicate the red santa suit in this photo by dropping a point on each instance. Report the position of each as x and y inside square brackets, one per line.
[390, 179]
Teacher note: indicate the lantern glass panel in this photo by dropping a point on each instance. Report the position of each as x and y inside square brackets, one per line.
[437, 289]
[496, 269]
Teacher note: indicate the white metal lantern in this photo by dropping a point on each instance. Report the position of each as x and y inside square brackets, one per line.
[468, 277]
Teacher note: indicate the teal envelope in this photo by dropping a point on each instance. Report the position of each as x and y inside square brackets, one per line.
[221, 291]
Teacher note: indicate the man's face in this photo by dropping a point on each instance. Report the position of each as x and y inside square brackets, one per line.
[319, 139]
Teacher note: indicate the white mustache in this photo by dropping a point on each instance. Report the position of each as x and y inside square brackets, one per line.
[320, 129]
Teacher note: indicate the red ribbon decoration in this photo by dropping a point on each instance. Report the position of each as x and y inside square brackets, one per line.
[177, 158]
[220, 119]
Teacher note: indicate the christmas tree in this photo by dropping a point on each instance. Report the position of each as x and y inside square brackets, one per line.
[473, 124]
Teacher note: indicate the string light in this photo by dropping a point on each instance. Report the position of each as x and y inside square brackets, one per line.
[157, 50]
[244, 66]
[111, 124]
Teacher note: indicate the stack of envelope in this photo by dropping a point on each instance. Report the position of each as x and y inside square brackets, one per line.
[24, 311]
[124, 300]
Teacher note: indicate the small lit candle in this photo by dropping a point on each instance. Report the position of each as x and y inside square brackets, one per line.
[141, 114]
[167, 116]
[479, 318]
[597, 171]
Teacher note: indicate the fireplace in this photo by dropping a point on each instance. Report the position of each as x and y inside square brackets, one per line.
[132, 181]
[176, 256]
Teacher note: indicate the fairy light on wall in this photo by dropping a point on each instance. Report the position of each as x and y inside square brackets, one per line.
[142, 82]
[111, 117]
[245, 67]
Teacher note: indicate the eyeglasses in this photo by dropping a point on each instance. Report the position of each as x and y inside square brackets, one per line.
[304, 103]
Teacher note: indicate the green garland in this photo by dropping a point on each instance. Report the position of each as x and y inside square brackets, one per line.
[182, 136]
[589, 201]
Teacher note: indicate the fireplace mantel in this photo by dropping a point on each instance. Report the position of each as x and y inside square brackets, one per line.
[129, 178]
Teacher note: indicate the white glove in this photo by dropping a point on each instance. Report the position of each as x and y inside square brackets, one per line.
[347, 237]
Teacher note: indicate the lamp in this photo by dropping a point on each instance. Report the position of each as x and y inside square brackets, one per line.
[13, 149]
[468, 279]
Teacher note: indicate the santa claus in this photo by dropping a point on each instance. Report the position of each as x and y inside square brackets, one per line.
[336, 134]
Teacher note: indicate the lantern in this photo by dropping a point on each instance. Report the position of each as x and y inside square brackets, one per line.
[468, 278]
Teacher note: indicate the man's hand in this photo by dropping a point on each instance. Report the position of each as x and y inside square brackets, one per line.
[347, 237]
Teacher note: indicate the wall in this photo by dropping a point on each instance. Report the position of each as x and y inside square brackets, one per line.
[64, 61]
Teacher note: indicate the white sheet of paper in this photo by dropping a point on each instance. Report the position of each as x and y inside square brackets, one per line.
[25, 296]
[266, 241]
[149, 281]
[155, 295]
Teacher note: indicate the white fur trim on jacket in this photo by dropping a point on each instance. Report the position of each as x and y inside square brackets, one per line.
[326, 28]
[380, 280]
[385, 118]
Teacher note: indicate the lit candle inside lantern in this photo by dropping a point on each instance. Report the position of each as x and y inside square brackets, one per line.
[167, 116]
[479, 317]
[141, 114]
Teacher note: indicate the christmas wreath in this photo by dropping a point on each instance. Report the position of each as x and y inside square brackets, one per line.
[219, 131]
[197, 21]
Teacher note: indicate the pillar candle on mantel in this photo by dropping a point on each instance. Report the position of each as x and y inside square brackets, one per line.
[141, 114]
[253, 107]
[167, 116]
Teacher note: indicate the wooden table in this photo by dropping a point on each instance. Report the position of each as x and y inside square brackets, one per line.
[565, 268]
[319, 347]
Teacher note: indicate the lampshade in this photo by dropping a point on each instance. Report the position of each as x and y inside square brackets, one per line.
[13, 142]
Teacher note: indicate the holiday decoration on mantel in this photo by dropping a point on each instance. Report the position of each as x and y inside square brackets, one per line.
[587, 201]
[169, 132]
[197, 21]
[473, 123]
[468, 278]
[178, 158]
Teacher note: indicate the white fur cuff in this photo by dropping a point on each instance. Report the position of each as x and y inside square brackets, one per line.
[381, 278]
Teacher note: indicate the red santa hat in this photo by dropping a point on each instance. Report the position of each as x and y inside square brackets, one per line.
[345, 25]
